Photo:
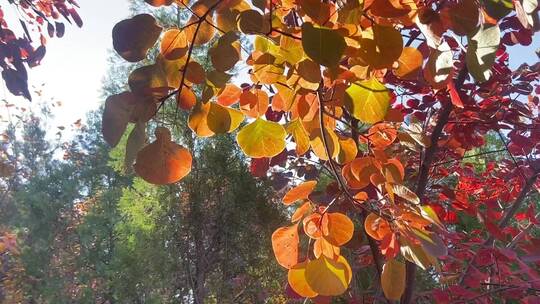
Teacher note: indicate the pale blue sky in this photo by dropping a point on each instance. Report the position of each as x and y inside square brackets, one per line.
[75, 65]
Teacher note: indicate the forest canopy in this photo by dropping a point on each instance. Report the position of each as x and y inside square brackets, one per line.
[253, 151]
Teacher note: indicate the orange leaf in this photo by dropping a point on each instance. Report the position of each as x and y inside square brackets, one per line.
[195, 72]
[410, 64]
[254, 103]
[323, 247]
[301, 211]
[376, 227]
[174, 44]
[312, 226]
[186, 99]
[285, 242]
[339, 230]
[230, 95]
[299, 192]
[382, 135]
[297, 280]
[163, 161]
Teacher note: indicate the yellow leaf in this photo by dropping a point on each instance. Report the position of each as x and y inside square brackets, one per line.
[347, 151]
[297, 280]
[393, 279]
[262, 138]
[222, 119]
[296, 129]
[368, 100]
[197, 120]
[328, 277]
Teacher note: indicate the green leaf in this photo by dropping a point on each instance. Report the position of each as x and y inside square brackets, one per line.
[324, 46]
[481, 51]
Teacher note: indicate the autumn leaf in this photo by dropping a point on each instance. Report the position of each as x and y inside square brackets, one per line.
[368, 100]
[328, 277]
[132, 38]
[393, 279]
[262, 138]
[285, 242]
[299, 192]
[322, 45]
[163, 161]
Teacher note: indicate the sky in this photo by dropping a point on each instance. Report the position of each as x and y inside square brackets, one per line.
[74, 66]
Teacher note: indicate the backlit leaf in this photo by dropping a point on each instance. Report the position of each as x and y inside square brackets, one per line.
[174, 44]
[380, 46]
[439, 66]
[410, 64]
[376, 227]
[393, 279]
[322, 45]
[482, 50]
[299, 192]
[296, 129]
[229, 95]
[285, 242]
[186, 99]
[368, 100]
[163, 161]
[197, 120]
[297, 280]
[301, 211]
[340, 229]
[223, 119]
[328, 277]
[262, 138]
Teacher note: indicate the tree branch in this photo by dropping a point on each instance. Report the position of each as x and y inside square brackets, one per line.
[423, 175]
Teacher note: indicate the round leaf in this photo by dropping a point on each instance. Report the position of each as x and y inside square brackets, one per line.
[163, 161]
[132, 38]
[368, 100]
[262, 138]
[322, 45]
[285, 242]
[328, 277]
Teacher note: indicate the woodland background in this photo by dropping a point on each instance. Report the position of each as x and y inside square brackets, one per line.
[78, 227]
